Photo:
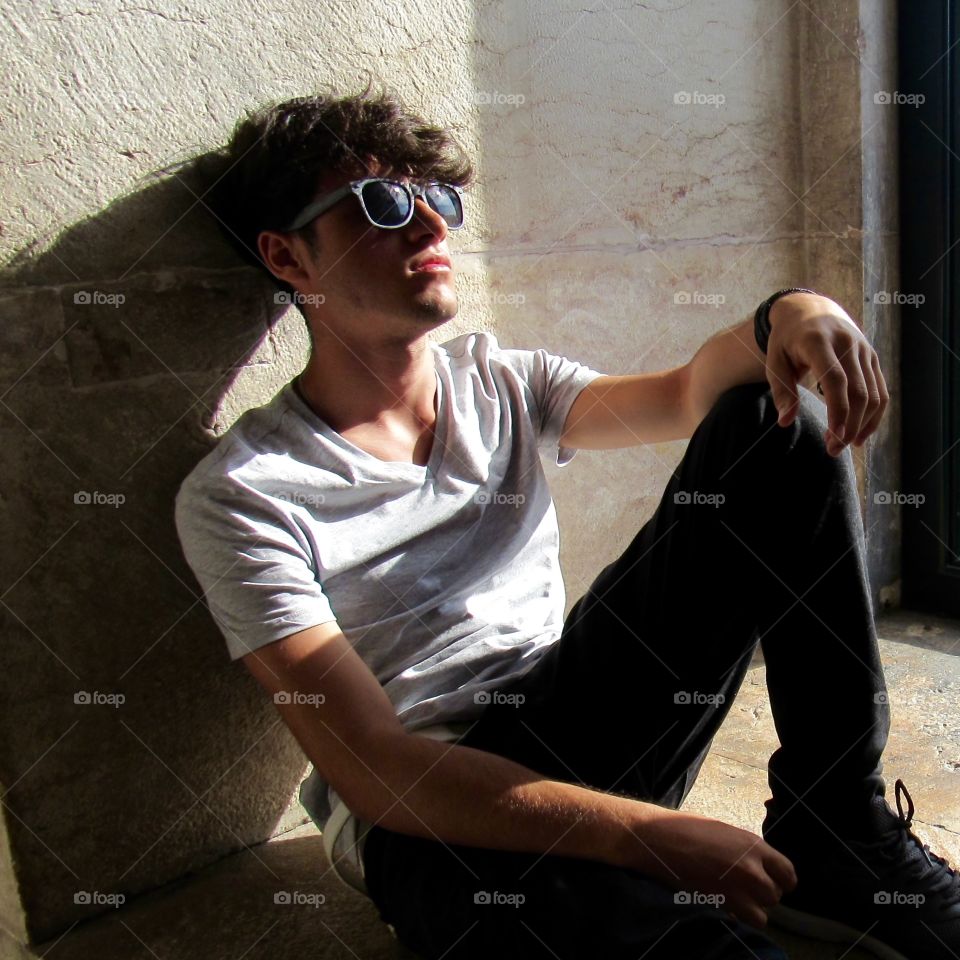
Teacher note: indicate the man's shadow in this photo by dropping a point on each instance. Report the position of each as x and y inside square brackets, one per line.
[133, 750]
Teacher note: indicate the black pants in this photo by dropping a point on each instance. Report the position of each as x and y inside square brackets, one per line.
[758, 537]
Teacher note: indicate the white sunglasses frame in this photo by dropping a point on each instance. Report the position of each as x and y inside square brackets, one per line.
[323, 204]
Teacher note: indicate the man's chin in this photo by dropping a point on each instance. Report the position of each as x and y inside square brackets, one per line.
[436, 312]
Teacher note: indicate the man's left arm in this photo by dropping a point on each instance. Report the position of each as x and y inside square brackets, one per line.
[812, 339]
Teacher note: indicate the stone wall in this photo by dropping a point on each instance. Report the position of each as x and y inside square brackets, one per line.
[647, 176]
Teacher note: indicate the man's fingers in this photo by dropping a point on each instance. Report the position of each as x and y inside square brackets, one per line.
[881, 380]
[834, 383]
[755, 916]
[858, 389]
[855, 393]
[843, 363]
[749, 913]
[783, 386]
[879, 398]
[781, 870]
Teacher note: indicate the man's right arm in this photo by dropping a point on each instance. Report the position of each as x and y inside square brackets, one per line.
[456, 794]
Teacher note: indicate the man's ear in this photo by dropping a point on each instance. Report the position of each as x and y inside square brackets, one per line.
[285, 255]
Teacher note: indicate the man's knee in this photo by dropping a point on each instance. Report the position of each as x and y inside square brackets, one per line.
[751, 407]
[741, 405]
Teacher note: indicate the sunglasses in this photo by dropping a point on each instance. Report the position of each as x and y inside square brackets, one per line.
[389, 204]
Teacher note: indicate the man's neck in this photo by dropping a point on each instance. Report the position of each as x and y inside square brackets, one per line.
[389, 385]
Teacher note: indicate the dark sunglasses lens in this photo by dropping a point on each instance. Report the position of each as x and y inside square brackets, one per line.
[387, 203]
[446, 201]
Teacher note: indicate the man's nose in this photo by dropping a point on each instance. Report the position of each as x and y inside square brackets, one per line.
[426, 219]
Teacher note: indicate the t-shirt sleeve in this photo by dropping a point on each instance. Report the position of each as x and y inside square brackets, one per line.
[253, 566]
[555, 383]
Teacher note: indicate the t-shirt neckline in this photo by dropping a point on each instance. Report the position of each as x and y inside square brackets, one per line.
[439, 430]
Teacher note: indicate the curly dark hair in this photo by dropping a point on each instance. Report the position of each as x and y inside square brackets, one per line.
[270, 167]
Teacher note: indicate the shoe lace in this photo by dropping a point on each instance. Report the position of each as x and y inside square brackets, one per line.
[948, 876]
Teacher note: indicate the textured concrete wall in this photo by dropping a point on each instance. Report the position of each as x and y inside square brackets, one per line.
[646, 177]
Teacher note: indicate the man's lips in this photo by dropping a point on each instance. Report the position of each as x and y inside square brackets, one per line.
[435, 264]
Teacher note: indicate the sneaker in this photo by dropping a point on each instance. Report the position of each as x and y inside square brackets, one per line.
[885, 891]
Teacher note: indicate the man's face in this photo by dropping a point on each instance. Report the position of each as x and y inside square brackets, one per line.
[375, 277]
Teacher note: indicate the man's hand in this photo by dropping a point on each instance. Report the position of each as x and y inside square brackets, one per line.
[702, 855]
[813, 334]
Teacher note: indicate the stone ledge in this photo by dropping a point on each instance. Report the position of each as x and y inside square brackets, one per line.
[227, 910]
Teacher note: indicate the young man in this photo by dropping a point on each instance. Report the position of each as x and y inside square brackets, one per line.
[379, 546]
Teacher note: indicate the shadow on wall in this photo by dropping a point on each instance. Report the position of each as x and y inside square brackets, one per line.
[132, 751]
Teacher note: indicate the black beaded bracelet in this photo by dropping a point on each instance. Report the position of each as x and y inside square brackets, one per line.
[761, 319]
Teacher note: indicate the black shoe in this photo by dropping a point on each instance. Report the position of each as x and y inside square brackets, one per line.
[884, 890]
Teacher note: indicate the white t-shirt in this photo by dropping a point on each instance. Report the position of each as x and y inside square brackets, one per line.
[444, 578]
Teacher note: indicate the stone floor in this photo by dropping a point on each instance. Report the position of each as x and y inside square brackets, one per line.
[921, 658]
[227, 911]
